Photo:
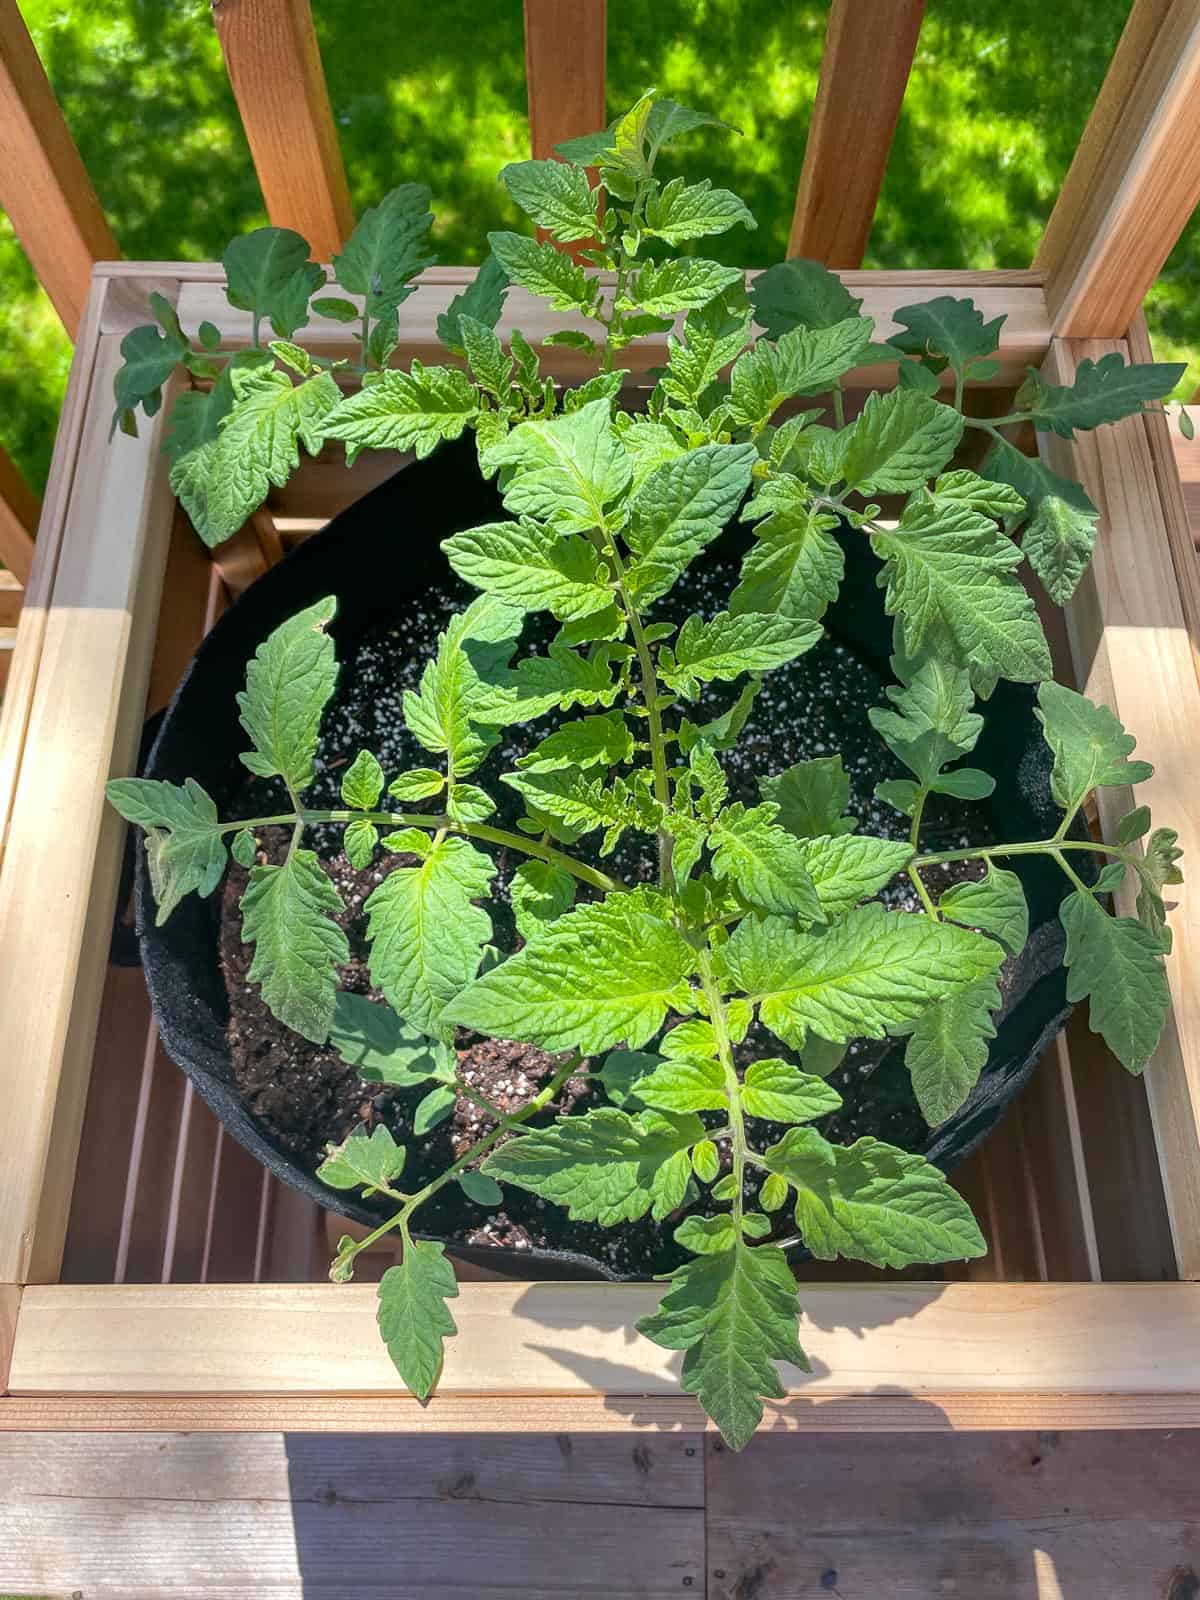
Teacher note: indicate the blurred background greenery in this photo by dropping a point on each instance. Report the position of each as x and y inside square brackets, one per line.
[998, 98]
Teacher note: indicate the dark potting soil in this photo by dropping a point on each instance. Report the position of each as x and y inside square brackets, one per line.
[305, 1096]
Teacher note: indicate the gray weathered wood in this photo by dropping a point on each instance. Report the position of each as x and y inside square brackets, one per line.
[344, 1516]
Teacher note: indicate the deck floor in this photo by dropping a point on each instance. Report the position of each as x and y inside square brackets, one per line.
[1051, 1516]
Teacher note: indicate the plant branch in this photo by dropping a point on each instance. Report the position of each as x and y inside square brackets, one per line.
[441, 824]
[733, 1088]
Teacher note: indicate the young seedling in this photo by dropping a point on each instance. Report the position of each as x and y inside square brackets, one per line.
[764, 912]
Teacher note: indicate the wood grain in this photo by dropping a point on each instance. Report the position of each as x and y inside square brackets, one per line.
[566, 43]
[58, 886]
[19, 512]
[10, 1301]
[1134, 182]
[274, 66]
[868, 55]
[577, 1338]
[44, 186]
[1132, 650]
[1027, 1515]
[340, 1516]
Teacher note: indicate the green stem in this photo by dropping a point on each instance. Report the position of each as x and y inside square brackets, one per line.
[442, 824]
[914, 840]
[737, 1124]
[482, 1145]
[1032, 848]
[839, 406]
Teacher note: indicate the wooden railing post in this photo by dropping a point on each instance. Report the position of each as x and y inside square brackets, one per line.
[19, 511]
[1135, 178]
[869, 47]
[565, 53]
[44, 186]
[271, 55]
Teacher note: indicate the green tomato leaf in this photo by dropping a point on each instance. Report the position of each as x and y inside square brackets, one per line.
[946, 332]
[150, 359]
[482, 1190]
[458, 687]
[900, 440]
[1091, 748]
[779, 1092]
[1034, 482]
[995, 905]
[387, 249]
[681, 211]
[268, 273]
[531, 566]
[413, 1318]
[687, 1084]
[726, 646]
[605, 1166]
[541, 893]
[806, 361]
[557, 195]
[686, 283]
[735, 1311]
[712, 337]
[764, 861]
[948, 1049]
[812, 797]
[427, 934]
[359, 843]
[950, 579]
[795, 565]
[287, 914]
[244, 848]
[605, 973]
[362, 782]
[336, 309]
[599, 741]
[963, 488]
[873, 1202]
[185, 848]
[933, 721]
[872, 972]
[706, 1163]
[412, 410]
[1156, 869]
[1058, 545]
[562, 678]
[705, 1236]
[466, 802]
[1116, 964]
[370, 1161]
[845, 869]
[418, 784]
[565, 470]
[546, 272]
[288, 684]
[800, 294]
[582, 804]
[681, 507]
[491, 365]
[482, 300]
[382, 1047]
[433, 1108]
[258, 442]
[1103, 391]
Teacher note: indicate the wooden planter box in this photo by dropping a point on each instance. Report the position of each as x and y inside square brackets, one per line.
[122, 1205]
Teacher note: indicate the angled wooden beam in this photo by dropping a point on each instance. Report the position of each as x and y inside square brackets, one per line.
[44, 186]
[271, 55]
[19, 512]
[565, 57]
[1135, 179]
[869, 48]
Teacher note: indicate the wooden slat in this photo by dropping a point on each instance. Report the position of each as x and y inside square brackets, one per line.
[44, 186]
[1016, 296]
[271, 55]
[1135, 180]
[1132, 649]
[550, 1517]
[565, 58]
[19, 512]
[563, 1339]
[11, 594]
[882, 1411]
[10, 1301]
[864, 71]
[1026, 1516]
[1055, 1146]
[18, 696]
[58, 885]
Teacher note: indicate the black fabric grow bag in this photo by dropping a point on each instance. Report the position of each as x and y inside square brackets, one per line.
[378, 557]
